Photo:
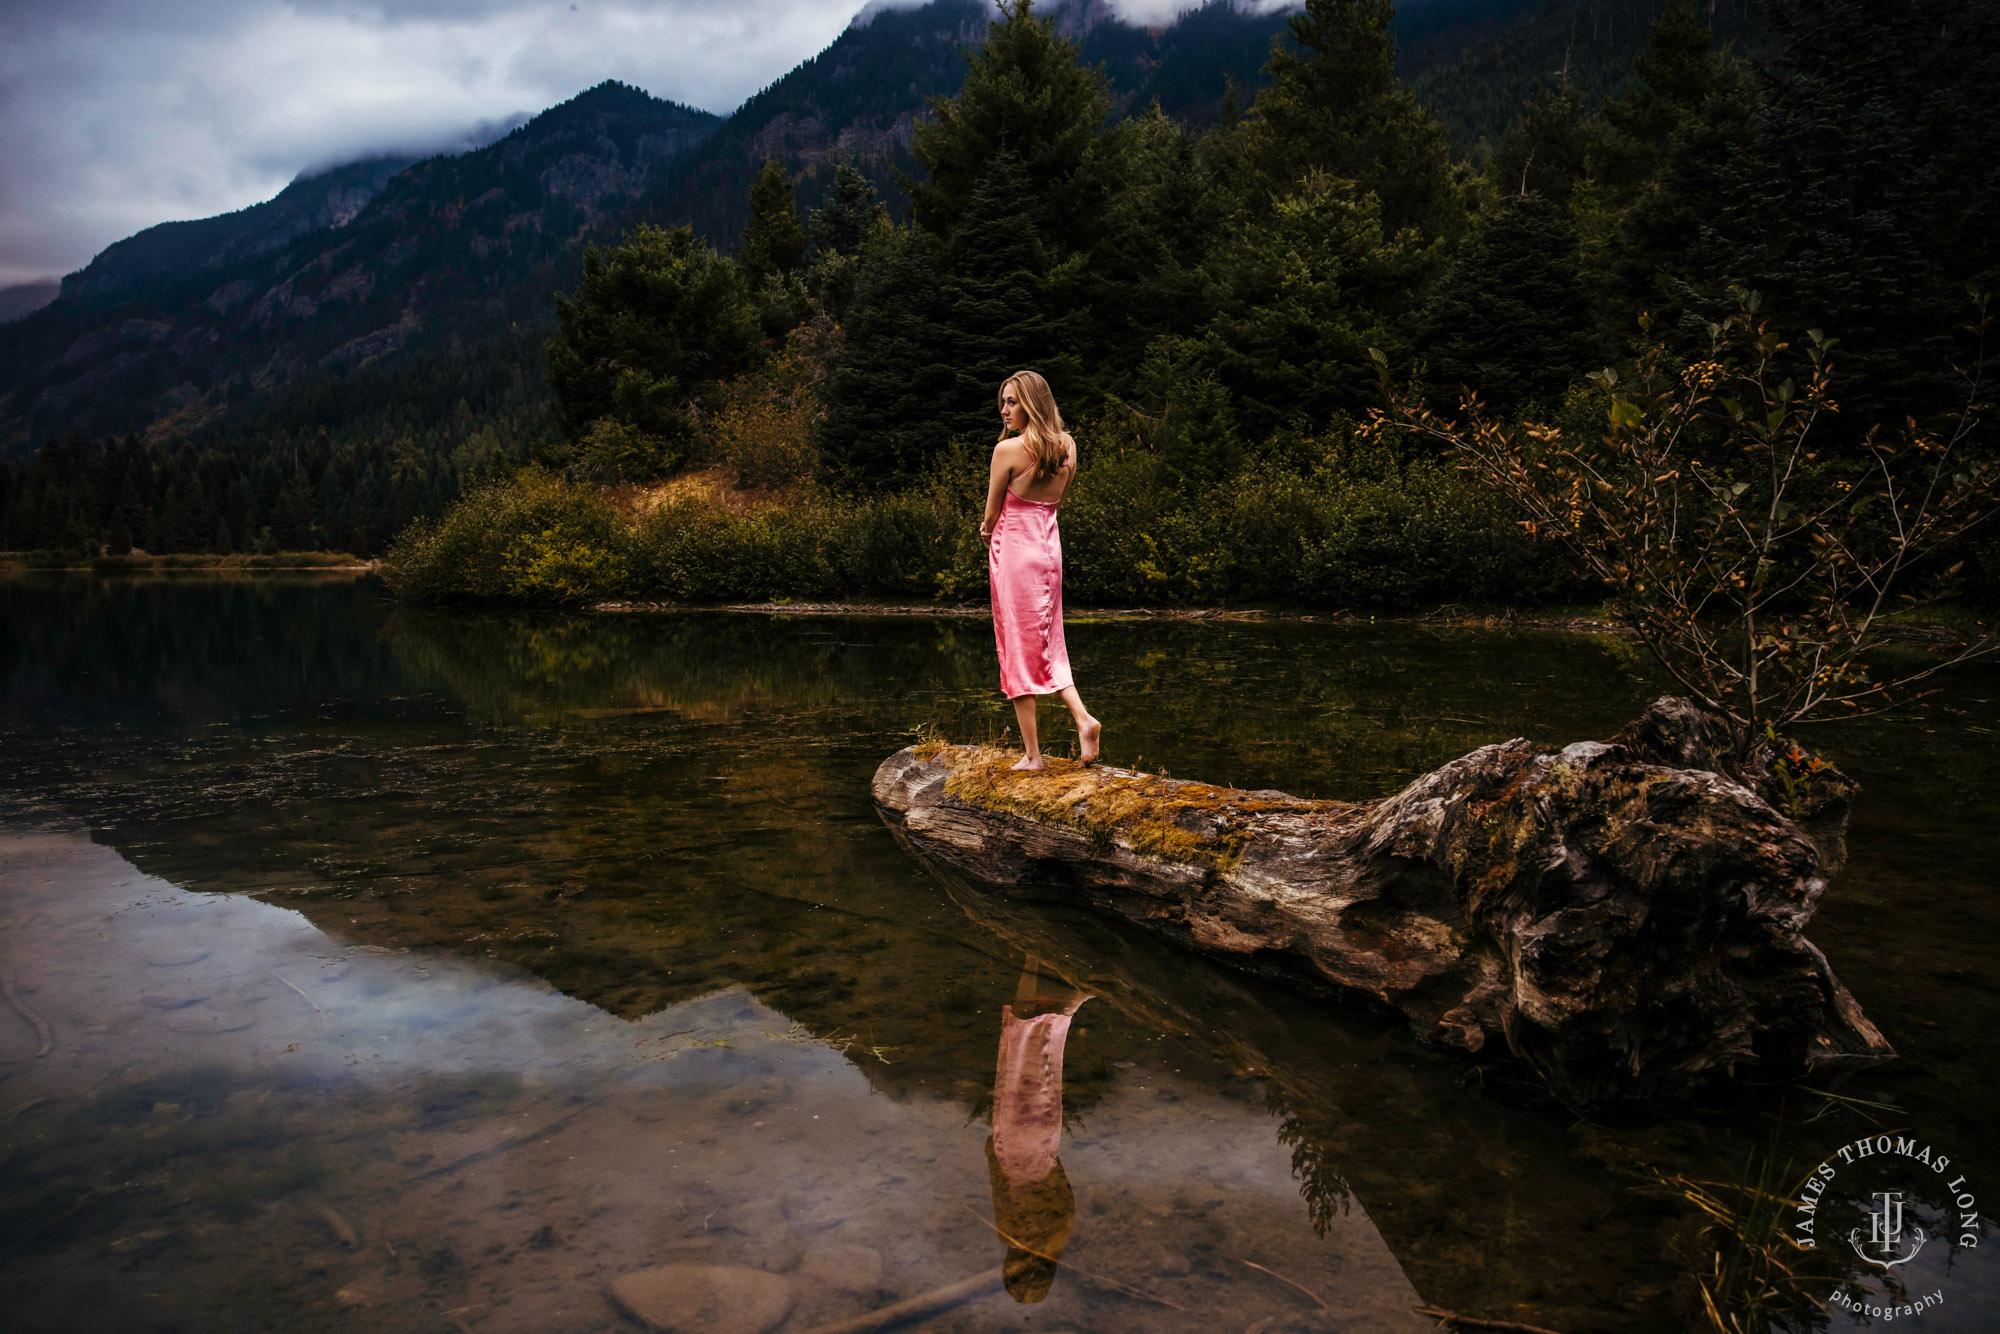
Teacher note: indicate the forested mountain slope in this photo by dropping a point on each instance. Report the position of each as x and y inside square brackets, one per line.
[234, 309]
[148, 260]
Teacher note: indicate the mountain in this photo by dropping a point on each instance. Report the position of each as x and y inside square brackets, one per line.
[147, 260]
[862, 96]
[240, 308]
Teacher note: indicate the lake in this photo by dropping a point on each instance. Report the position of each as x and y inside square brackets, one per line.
[371, 967]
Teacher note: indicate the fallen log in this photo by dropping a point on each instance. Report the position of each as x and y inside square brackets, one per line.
[1625, 917]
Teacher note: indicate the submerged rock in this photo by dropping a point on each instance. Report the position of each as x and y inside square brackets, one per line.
[1623, 916]
[704, 1299]
[856, 1270]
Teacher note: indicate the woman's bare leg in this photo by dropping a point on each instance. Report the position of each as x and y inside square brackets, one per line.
[1031, 746]
[1088, 729]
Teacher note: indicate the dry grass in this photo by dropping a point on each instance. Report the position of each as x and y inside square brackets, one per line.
[1145, 812]
[712, 487]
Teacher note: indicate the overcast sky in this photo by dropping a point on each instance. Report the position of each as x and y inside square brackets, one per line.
[117, 114]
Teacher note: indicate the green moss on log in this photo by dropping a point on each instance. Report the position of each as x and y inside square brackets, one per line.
[1197, 824]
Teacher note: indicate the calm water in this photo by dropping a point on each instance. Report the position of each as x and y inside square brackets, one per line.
[406, 970]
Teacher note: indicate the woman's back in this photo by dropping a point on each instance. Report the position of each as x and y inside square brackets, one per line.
[1024, 484]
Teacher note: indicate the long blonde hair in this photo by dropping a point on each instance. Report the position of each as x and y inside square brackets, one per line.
[1048, 443]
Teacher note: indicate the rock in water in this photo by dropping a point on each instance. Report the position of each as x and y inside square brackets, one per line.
[850, 1269]
[1623, 916]
[704, 1299]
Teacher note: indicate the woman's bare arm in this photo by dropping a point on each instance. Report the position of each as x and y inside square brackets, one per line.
[1005, 461]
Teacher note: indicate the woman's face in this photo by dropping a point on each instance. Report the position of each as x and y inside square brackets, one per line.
[1011, 412]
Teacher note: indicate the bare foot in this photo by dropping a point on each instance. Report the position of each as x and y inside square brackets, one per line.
[1028, 766]
[1088, 735]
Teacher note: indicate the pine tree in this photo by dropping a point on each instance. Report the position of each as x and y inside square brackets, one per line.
[1851, 206]
[185, 524]
[889, 391]
[773, 242]
[842, 225]
[1303, 292]
[997, 296]
[292, 519]
[651, 325]
[1677, 72]
[1334, 106]
[1550, 146]
[1513, 321]
[1025, 95]
[1144, 280]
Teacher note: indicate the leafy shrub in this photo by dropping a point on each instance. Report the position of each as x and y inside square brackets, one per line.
[766, 427]
[534, 537]
[1328, 522]
[617, 451]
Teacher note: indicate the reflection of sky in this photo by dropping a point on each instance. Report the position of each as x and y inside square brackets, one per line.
[712, 1118]
[1971, 1300]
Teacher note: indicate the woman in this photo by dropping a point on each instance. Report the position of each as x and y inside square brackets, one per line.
[1031, 470]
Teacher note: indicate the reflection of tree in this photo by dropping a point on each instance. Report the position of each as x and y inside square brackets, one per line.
[1320, 1180]
[707, 667]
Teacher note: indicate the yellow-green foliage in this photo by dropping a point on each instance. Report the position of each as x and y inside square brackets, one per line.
[1325, 523]
[535, 537]
[616, 450]
[1140, 811]
[764, 430]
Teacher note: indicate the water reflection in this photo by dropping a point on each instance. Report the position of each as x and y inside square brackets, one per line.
[643, 825]
[1033, 1206]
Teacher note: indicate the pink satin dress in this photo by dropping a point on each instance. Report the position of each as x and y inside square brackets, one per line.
[1024, 562]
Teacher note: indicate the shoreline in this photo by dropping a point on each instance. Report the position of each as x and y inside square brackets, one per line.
[1449, 615]
[15, 567]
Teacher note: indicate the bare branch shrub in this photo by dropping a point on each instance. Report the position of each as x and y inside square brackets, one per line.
[1757, 560]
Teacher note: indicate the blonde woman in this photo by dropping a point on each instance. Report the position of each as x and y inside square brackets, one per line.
[1032, 468]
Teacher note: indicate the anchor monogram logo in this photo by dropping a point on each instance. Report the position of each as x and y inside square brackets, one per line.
[1885, 1233]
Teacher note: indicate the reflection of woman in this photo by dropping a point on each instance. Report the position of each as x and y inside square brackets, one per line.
[1032, 1204]
[1031, 470]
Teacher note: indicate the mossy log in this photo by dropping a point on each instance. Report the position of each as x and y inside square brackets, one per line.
[1625, 917]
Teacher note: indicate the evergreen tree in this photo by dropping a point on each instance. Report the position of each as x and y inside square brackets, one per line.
[773, 241]
[1334, 106]
[1677, 72]
[840, 230]
[1852, 207]
[1144, 280]
[1512, 321]
[1025, 96]
[997, 297]
[894, 383]
[1303, 292]
[185, 524]
[292, 519]
[1550, 146]
[650, 326]
[843, 224]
